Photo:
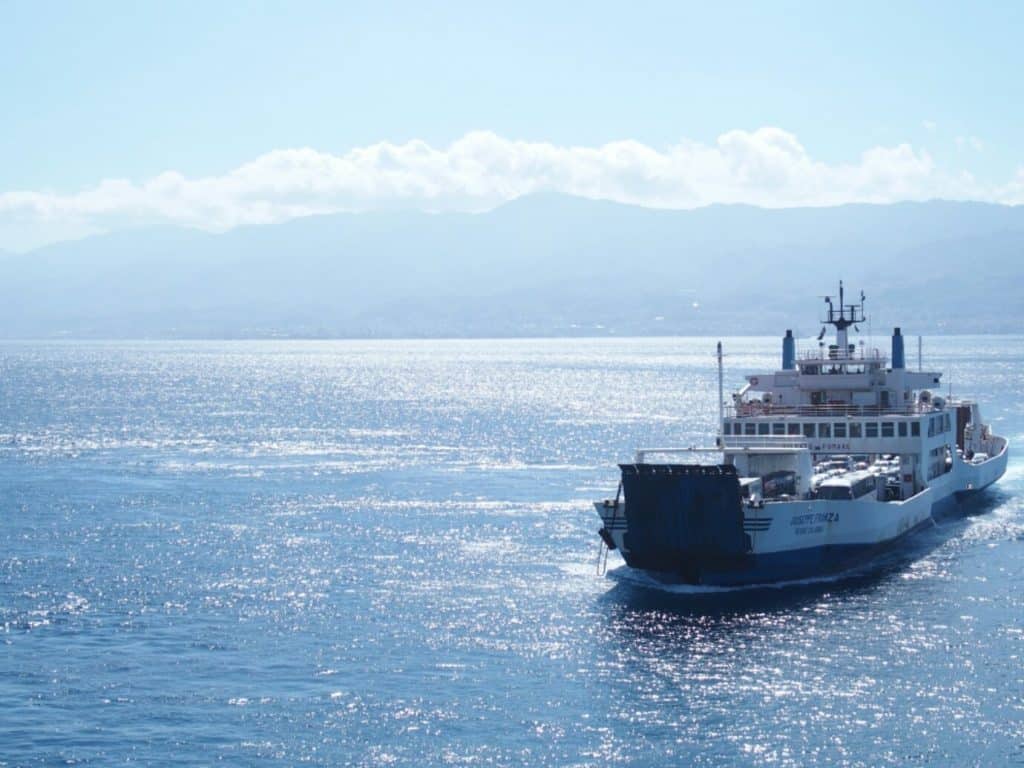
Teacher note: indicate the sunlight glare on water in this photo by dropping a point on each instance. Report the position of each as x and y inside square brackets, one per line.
[384, 553]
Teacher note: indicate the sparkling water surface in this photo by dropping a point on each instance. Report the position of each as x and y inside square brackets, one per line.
[372, 553]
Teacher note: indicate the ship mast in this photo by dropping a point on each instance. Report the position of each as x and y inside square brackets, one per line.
[721, 399]
[843, 318]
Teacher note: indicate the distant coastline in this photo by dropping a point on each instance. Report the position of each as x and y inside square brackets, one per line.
[711, 338]
[544, 266]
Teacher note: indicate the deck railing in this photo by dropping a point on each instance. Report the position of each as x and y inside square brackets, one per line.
[766, 441]
[732, 442]
[757, 408]
[642, 453]
[826, 356]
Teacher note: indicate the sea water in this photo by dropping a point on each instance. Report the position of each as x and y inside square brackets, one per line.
[383, 553]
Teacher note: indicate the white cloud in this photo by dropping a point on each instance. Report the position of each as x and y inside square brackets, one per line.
[970, 141]
[767, 167]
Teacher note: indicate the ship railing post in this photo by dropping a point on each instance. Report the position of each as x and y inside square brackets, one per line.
[721, 398]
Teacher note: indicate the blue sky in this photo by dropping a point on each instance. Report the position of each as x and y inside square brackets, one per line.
[97, 91]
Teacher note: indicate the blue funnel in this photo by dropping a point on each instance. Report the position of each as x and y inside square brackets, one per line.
[899, 360]
[788, 352]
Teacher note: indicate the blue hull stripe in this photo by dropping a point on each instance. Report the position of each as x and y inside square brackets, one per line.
[791, 565]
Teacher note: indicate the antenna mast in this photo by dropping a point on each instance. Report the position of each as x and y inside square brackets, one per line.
[721, 400]
[847, 315]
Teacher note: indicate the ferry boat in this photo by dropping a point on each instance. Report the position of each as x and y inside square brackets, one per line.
[837, 456]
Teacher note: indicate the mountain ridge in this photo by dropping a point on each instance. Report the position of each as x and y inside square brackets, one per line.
[546, 265]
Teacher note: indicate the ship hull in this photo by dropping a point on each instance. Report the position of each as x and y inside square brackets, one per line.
[661, 526]
[792, 565]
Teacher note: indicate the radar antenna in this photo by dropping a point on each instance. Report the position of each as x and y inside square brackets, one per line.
[847, 315]
[842, 318]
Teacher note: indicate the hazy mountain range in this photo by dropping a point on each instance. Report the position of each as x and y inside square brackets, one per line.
[540, 266]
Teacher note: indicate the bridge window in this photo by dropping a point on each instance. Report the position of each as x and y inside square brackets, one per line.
[887, 429]
[871, 429]
[839, 429]
[778, 428]
[948, 425]
[855, 429]
[762, 428]
[750, 428]
[792, 428]
[903, 429]
[808, 430]
[824, 430]
[915, 429]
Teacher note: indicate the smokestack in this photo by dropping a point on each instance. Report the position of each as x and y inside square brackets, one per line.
[898, 358]
[788, 352]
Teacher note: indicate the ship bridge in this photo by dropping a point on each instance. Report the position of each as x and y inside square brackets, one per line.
[844, 399]
[839, 377]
